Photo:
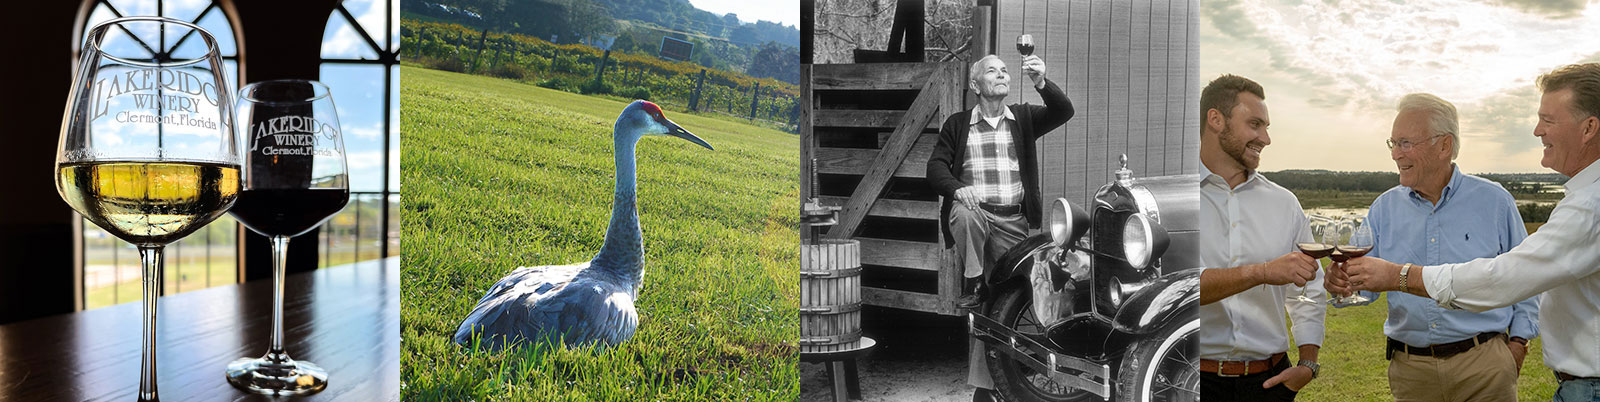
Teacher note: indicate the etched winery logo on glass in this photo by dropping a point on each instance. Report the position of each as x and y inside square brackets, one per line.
[157, 96]
[294, 135]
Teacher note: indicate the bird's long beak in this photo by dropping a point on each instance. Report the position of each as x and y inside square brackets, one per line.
[675, 130]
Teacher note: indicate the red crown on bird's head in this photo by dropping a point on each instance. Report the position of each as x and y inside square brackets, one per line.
[651, 108]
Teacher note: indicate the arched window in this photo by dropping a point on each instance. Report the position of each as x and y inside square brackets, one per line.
[109, 267]
[360, 49]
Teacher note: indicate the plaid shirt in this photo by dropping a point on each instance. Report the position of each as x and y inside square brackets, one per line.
[991, 163]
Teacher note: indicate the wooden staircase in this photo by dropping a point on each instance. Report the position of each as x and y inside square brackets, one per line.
[867, 133]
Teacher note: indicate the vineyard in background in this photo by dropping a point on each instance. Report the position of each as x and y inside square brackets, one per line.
[572, 68]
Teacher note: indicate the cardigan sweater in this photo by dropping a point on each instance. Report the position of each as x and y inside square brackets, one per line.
[1032, 122]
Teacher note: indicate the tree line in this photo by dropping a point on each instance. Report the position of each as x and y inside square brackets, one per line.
[1515, 183]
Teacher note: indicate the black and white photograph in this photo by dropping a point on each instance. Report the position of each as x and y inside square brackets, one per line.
[1000, 200]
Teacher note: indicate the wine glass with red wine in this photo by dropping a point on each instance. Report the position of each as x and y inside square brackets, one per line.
[1360, 244]
[1321, 245]
[1025, 45]
[294, 179]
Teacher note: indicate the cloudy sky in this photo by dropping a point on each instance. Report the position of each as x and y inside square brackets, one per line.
[1334, 69]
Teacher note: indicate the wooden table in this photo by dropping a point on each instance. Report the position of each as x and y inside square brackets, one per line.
[345, 319]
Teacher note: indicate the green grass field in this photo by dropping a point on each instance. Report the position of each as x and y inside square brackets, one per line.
[1353, 368]
[501, 174]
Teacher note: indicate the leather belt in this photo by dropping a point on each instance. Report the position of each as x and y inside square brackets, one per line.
[1442, 350]
[1569, 377]
[1001, 209]
[1236, 368]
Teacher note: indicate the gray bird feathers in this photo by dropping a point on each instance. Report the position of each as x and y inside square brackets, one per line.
[558, 304]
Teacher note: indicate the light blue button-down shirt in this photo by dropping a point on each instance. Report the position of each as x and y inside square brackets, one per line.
[1474, 218]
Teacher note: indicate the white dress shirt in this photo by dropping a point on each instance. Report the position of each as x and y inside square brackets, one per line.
[1561, 260]
[1257, 222]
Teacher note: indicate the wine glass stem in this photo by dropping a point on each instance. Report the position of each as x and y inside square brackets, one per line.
[280, 259]
[150, 258]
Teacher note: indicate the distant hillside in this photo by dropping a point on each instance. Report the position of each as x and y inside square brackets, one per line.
[762, 48]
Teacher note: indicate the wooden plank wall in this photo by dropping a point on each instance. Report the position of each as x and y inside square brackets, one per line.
[1131, 69]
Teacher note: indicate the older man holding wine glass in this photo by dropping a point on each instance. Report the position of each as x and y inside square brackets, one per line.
[984, 165]
[1438, 215]
[1560, 261]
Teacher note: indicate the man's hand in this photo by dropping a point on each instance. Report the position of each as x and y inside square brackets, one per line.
[1518, 351]
[1337, 282]
[969, 197]
[1034, 67]
[1295, 378]
[1294, 267]
[1375, 274]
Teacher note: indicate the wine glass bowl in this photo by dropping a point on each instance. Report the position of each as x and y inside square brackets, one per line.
[148, 150]
[1359, 243]
[1025, 44]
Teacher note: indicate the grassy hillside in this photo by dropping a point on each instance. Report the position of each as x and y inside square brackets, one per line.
[501, 174]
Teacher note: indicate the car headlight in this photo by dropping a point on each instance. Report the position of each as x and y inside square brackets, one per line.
[1068, 222]
[1143, 240]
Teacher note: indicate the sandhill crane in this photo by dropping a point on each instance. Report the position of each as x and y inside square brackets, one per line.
[588, 302]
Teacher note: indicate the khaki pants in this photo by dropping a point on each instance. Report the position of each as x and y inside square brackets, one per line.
[1486, 373]
[980, 237]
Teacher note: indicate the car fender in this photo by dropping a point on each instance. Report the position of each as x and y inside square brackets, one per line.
[1010, 264]
[1171, 298]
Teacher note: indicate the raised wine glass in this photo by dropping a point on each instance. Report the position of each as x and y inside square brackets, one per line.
[147, 149]
[1320, 246]
[1025, 45]
[294, 179]
[1359, 244]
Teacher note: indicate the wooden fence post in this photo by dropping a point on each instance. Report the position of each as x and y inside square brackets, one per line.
[755, 99]
[694, 98]
[600, 68]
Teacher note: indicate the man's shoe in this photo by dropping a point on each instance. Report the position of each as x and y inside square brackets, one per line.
[977, 294]
[985, 395]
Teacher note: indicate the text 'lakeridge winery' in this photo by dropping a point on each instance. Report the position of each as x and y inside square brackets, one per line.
[188, 88]
[293, 135]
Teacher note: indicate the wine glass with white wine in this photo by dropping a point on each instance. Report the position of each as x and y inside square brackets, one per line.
[147, 149]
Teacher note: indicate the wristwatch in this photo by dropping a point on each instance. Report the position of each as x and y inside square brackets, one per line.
[1518, 339]
[1405, 272]
[1315, 368]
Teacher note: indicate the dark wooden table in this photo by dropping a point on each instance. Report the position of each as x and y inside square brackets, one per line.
[346, 319]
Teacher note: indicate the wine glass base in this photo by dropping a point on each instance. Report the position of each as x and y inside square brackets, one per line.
[1356, 299]
[276, 374]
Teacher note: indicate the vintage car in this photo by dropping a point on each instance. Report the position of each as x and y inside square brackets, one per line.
[1106, 304]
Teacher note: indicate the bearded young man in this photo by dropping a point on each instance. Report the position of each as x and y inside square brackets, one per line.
[1249, 259]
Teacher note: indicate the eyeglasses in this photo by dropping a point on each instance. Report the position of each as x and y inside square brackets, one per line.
[1405, 144]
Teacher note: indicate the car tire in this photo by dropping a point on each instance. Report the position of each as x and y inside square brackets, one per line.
[1163, 367]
